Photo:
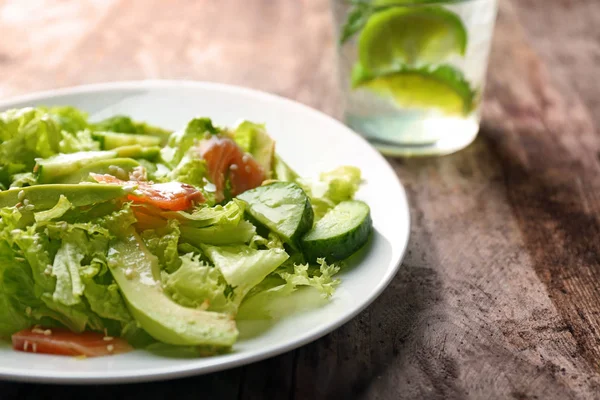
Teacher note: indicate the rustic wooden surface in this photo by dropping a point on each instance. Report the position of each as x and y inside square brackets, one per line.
[498, 296]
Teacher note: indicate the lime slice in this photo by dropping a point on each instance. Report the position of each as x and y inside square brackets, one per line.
[444, 88]
[410, 35]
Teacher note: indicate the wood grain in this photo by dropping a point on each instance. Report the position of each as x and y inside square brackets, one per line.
[498, 295]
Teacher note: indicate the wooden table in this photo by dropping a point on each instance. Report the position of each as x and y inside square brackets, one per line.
[499, 294]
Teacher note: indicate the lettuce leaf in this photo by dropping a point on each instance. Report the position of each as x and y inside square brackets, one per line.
[30, 133]
[65, 268]
[244, 267]
[203, 216]
[276, 296]
[106, 301]
[199, 285]
[68, 118]
[332, 188]
[190, 170]
[181, 141]
[163, 242]
[16, 293]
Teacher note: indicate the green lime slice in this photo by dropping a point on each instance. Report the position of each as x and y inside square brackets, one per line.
[443, 88]
[410, 35]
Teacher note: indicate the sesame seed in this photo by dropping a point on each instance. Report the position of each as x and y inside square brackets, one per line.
[245, 158]
[25, 345]
[29, 207]
[110, 348]
[108, 338]
[129, 273]
[128, 188]
[38, 330]
[34, 347]
[247, 168]
[47, 332]
[25, 202]
[233, 167]
[21, 195]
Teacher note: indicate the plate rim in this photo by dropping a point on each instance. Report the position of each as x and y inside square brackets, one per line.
[256, 355]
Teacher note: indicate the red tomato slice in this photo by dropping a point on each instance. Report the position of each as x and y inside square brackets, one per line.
[223, 156]
[173, 196]
[66, 343]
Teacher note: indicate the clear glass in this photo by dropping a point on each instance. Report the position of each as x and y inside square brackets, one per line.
[420, 92]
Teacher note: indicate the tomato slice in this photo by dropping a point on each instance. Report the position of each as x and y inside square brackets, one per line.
[173, 196]
[66, 343]
[225, 158]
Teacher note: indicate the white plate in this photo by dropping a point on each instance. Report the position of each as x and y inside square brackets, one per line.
[310, 142]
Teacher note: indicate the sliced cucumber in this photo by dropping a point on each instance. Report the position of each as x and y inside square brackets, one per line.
[112, 140]
[115, 166]
[282, 207]
[340, 233]
[52, 169]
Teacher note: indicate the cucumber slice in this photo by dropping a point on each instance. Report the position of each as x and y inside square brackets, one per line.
[340, 233]
[52, 169]
[282, 207]
[112, 140]
[111, 166]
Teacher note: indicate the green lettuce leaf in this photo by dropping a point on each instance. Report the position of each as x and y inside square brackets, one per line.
[278, 295]
[244, 267]
[68, 118]
[65, 268]
[190, 170]
[78, 141]
[203, 216]
[332, 188]
[23, 179]
[199, 285]
[163, 242]
[181, 141]
[106, 301]
[16, 292]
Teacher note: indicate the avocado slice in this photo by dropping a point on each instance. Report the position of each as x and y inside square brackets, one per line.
[44, 197]
[253, 138]
[112, 140]
[102, 167]
[136, 271]
[137, 151]
[54, 168]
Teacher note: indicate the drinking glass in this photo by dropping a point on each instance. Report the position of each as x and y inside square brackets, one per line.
[413, 71]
